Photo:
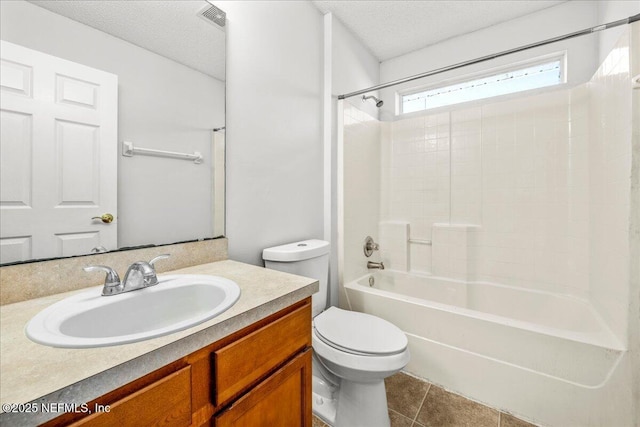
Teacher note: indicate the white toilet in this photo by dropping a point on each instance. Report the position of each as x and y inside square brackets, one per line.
[353, 352]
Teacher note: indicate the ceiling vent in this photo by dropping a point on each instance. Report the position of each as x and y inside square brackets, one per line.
[214, 15]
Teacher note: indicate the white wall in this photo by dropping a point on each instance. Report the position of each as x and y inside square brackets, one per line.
[609, 11]
[274, 139]
[353, 67]
[582, 57]
[361, 188]
[162, 105]
[609, 186]
[634, 227]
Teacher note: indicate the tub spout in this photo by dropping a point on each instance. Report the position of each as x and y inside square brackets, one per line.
[378, 265]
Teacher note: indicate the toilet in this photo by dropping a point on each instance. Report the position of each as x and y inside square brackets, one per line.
[353, 352]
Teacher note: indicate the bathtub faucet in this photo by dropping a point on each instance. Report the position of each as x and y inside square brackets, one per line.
[378, 265]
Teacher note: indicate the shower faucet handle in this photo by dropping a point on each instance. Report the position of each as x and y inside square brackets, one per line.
[370, 246]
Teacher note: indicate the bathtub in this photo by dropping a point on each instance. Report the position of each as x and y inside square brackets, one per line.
[496, 344]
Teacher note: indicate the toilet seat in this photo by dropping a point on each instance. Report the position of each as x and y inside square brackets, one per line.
[356, 367]
[359, 333]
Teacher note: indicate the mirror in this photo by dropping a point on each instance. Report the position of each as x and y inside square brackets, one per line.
[112, 125]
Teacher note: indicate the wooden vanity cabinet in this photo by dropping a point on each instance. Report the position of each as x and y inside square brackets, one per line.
[258, 376]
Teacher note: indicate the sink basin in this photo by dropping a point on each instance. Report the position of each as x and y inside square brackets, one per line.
[89, 319]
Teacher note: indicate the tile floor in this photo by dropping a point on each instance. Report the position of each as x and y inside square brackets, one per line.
[416, 403]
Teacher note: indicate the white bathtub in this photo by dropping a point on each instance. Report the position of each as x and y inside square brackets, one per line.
[490, 341]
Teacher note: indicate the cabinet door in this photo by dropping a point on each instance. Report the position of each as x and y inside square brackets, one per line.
[283, 399]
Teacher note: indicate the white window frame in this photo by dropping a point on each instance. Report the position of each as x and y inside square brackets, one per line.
[556, 56]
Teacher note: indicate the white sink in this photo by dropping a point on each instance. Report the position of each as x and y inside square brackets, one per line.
[89, 319]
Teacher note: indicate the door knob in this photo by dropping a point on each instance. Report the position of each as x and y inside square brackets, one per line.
[106, 218]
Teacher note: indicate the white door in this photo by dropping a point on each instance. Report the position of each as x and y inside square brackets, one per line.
[58, 158]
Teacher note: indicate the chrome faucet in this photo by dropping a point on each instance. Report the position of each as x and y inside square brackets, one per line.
[139, 275]
[378, 265]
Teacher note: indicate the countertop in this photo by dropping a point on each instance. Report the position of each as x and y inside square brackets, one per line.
[32, 372]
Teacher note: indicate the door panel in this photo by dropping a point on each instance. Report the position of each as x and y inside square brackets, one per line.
[78, 169]
[16, 159]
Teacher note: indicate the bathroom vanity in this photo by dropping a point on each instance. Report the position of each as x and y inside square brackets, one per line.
[251, 365]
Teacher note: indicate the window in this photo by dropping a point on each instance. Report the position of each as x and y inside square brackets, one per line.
[549, 72]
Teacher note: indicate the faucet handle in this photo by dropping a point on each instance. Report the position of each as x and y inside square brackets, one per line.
[112, 276]
[111, 281]
[370, 246]
[158, 258]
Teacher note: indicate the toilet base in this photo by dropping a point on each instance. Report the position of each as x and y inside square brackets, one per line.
[362, 405]
[324, 400]
[352, 404]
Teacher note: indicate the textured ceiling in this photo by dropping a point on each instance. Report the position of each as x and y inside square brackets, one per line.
[169, 28]
[393, 28]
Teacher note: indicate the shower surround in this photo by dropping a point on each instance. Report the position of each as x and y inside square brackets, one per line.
[517, 206]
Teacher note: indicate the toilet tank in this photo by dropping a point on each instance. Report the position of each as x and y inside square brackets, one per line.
[309, 258]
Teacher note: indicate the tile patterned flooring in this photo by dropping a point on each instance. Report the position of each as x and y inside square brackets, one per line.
[416, 403]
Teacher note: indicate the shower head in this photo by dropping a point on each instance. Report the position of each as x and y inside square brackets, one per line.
[379, 102]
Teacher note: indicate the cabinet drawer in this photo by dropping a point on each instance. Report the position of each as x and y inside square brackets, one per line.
[244, 362]
[166, 402]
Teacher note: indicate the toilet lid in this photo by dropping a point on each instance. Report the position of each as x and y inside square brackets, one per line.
[359, 332]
